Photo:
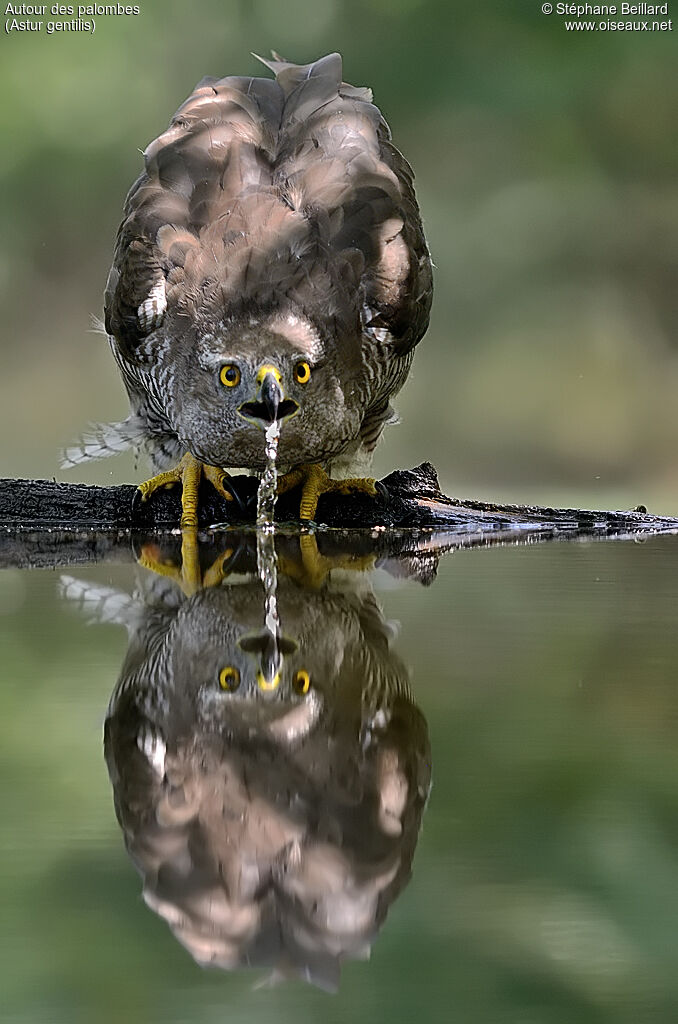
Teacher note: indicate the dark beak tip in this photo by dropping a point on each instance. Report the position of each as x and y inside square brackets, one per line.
[271, 405]
[271, 396]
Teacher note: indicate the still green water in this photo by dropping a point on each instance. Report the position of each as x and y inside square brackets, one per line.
[535, 685]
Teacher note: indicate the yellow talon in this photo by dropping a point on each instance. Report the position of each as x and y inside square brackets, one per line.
[216, 477]
[187, 574]
[316, 482]
[150, 557]
[314, 568]
[218, 571]
[188, 473]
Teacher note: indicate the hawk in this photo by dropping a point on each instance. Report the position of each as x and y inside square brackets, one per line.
[271, 266]
[273, 822]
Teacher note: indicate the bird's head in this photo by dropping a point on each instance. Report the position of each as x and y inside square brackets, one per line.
[237, 378]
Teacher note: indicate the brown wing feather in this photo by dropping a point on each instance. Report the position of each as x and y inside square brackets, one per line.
[264, 188]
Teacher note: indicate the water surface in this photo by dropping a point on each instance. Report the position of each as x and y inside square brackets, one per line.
[536, 685]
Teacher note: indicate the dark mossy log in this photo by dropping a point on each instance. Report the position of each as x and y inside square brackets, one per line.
[406, 499]
[406, 528]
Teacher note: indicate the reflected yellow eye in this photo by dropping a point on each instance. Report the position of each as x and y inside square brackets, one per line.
[302, 373]
[301, 681]
[229, 375]
[229, 678]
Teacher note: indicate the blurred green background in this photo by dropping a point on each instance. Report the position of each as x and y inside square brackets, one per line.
[546, 167]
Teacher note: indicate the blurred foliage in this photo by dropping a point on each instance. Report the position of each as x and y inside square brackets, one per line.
[546, 167]
[546, 877]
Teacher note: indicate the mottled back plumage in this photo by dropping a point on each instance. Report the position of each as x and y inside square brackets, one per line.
[274, 220]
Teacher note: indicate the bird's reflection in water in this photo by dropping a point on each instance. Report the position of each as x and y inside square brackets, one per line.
[270, 788]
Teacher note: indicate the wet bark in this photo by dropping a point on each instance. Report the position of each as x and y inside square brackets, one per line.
[408, 498]
[411, 522]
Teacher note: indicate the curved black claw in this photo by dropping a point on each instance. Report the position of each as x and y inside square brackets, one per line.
[228, 485]
[236, 555]
[136, 500]
[383, 492]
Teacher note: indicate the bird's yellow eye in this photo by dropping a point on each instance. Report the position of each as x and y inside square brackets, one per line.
[302, 372]
[229, 678]
[301, 681]
[229, 375]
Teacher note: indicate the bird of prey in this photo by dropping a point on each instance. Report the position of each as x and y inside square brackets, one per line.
[271, 265]
[273, 823]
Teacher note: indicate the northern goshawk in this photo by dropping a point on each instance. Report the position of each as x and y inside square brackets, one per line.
[271, 264]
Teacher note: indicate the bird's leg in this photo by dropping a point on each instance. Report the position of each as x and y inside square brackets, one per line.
[315, 481]
[187, 473]
[187, 575]
[314, 568]
[190, 555]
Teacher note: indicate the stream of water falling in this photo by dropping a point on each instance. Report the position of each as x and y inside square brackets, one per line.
[269, 479]
[267, 565]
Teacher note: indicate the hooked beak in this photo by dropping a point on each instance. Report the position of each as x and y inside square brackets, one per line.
[271, 651]
[270, 663]
[271, 396]
[270, 403]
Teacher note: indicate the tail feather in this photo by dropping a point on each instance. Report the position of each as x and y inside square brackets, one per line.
[98, 603]
[103, 440]
[289, 75]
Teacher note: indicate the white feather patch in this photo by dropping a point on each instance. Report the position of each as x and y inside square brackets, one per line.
[379, 334]
[153, 747]
[151, 312]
